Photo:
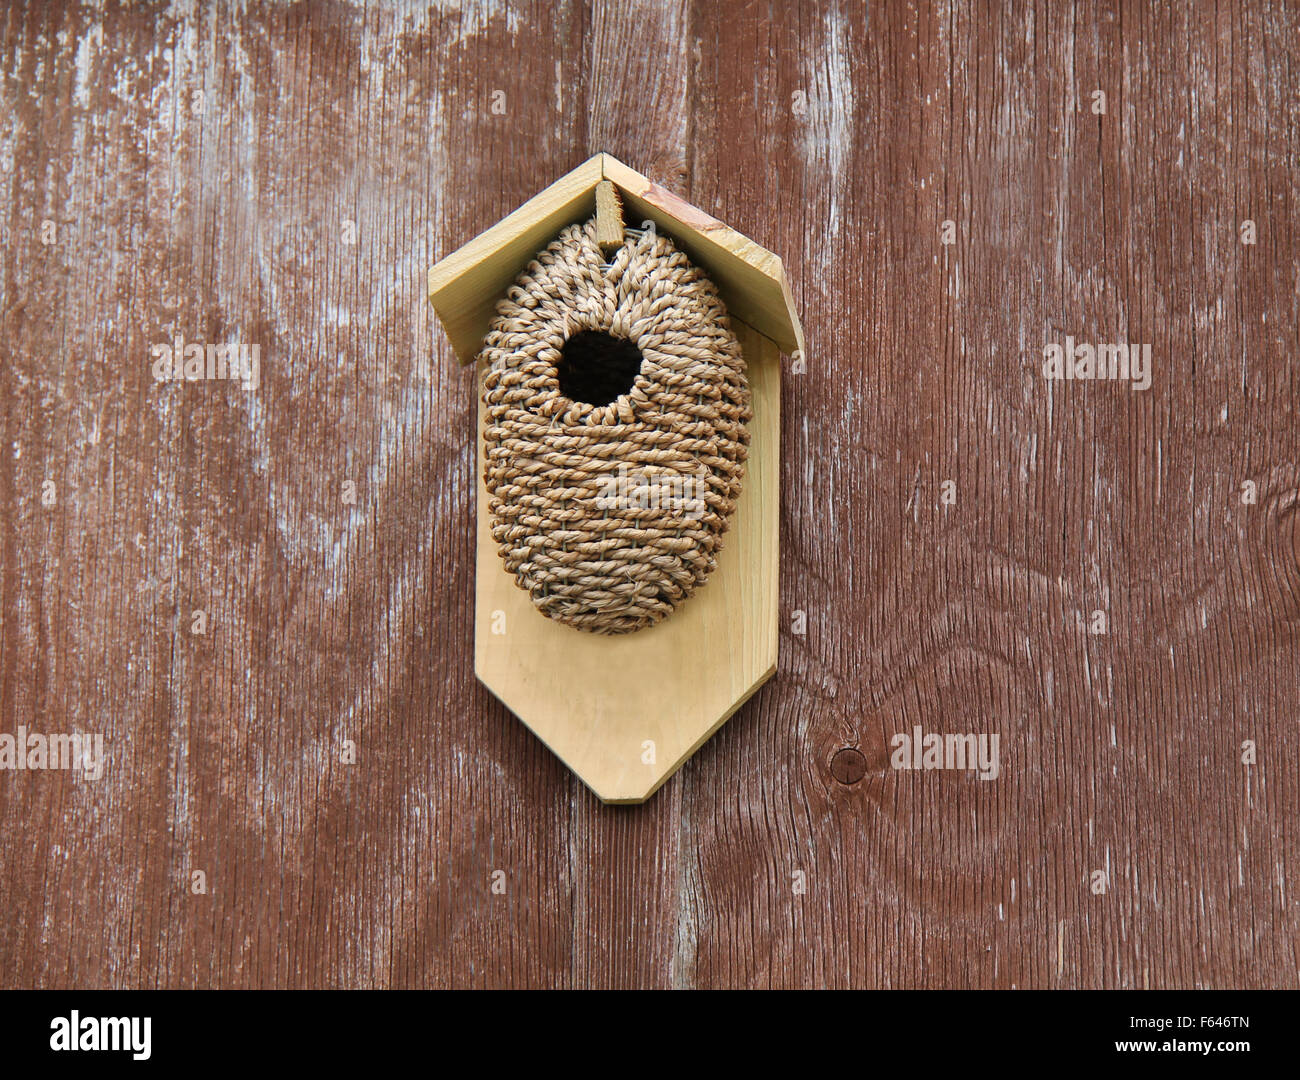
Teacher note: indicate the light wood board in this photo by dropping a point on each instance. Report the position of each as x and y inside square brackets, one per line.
[465, 286]
[751, 279]
[597, 700]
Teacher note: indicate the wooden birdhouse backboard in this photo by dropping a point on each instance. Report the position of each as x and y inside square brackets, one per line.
[625, 711]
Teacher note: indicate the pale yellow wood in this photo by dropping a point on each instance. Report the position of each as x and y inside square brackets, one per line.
[609, 217]
[750, 278]
[465, 286]
[596, 700]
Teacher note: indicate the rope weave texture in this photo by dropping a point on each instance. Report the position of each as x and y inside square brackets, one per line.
[609, 516]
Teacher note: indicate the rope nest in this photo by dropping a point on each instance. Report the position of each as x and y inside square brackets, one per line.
[610, 515]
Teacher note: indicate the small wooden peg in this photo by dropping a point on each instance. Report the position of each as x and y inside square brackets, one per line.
[609, 217]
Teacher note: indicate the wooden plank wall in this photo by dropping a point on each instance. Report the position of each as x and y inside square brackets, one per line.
[284, 175]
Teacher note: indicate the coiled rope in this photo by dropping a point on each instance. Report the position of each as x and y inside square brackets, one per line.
[610, 515]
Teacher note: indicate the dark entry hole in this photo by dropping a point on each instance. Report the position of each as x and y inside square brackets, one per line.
[597, 367]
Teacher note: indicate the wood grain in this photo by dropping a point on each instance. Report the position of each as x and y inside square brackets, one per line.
[285, 176]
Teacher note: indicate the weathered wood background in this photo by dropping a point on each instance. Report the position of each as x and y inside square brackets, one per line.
[285, 175]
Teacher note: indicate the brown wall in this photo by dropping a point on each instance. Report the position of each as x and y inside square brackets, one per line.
[200, 177]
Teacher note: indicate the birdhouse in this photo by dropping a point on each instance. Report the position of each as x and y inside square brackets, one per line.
[628, 348]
